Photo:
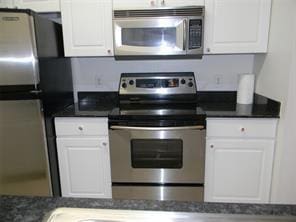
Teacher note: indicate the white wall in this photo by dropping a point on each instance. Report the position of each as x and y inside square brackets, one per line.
[215, 72]
[276, 79]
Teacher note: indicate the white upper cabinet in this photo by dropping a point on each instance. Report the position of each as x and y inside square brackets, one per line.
[180, 3]
[139, 4]
[39, 5]
[6, 3]
[236, 26]
[87, 27]
[131, 4]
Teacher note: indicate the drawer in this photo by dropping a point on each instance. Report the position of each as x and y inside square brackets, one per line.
[75, 126]
[237, 127]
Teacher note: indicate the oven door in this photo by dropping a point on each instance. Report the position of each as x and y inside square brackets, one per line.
[149, 36]
[159, 155]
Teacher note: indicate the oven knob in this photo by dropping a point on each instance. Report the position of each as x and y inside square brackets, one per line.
[124, 85]
[183, 81]
[131, 82]
[190, 84]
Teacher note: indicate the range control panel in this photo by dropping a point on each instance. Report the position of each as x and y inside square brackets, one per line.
[157, 83]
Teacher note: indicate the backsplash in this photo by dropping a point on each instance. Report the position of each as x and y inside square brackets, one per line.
[212, 73]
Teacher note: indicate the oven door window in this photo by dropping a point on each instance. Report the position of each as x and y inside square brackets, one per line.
[157, 153]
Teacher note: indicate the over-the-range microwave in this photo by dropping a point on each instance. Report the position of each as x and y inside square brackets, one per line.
[158, 33]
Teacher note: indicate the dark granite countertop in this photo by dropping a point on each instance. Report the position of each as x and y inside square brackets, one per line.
[223, 104]
[214, 104]
[91, 104]
[13, 208]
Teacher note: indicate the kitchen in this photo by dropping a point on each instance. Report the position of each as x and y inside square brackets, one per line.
[230, 128]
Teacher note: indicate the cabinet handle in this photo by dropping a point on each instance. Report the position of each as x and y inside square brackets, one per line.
[109, 51]
[104, 143]
[152, 3]
[243, 129]
[163, 3]
[208, 50]
[212, 146]
[80, 128]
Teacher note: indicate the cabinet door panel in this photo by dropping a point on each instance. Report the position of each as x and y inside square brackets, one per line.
[84, 166]
[39, 5]
[134, 4]
[87, 27]
[180, 3]
[237, 26]
[138, 4]
[238, 170]
[6, 3]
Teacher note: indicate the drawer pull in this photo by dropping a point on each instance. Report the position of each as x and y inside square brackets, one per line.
[243, 129]
[212, 146]
[80, 128]
[104, 144]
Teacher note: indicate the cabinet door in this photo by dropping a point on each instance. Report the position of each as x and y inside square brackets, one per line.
[87, 27]
[6, 3]
[180, 3]
[84, 166]
[134, 4]
[237, 26]
[39, 5]
[238, 170]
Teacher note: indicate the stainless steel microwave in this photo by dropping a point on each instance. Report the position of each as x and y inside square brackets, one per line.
[159, 32]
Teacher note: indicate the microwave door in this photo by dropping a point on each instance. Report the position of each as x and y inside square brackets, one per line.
[153, 36]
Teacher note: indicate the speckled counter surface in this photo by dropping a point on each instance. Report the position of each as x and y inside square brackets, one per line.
[214, 104]
[26, 209]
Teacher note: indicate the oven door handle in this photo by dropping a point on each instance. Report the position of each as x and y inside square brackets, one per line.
[199, 127]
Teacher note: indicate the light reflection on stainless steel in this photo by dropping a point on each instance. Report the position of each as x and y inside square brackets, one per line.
[157, 111]
[17, 50]
[17, 59]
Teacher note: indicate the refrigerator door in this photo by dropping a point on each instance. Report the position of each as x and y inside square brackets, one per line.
[18, 63]
[23, 151]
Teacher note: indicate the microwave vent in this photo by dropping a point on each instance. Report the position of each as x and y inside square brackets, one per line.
[187, 11]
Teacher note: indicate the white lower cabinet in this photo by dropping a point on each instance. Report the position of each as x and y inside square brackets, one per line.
[239, 167]
[84, 160]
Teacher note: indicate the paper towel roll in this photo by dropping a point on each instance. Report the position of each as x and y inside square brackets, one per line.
[245, 90]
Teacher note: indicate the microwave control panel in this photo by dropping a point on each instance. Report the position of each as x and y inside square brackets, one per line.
[195, 34]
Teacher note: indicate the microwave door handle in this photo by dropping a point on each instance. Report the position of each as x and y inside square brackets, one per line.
[198, 127]
[184, 34]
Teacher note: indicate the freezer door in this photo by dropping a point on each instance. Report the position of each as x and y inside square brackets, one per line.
[23, 153]
[18, 64]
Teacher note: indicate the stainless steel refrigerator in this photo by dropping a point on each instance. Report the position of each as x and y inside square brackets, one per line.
[35, 82]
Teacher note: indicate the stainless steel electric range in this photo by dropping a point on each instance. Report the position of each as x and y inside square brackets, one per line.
[157, 138]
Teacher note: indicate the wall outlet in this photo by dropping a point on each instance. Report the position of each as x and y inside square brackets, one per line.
[218, 79]
[98, 81]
